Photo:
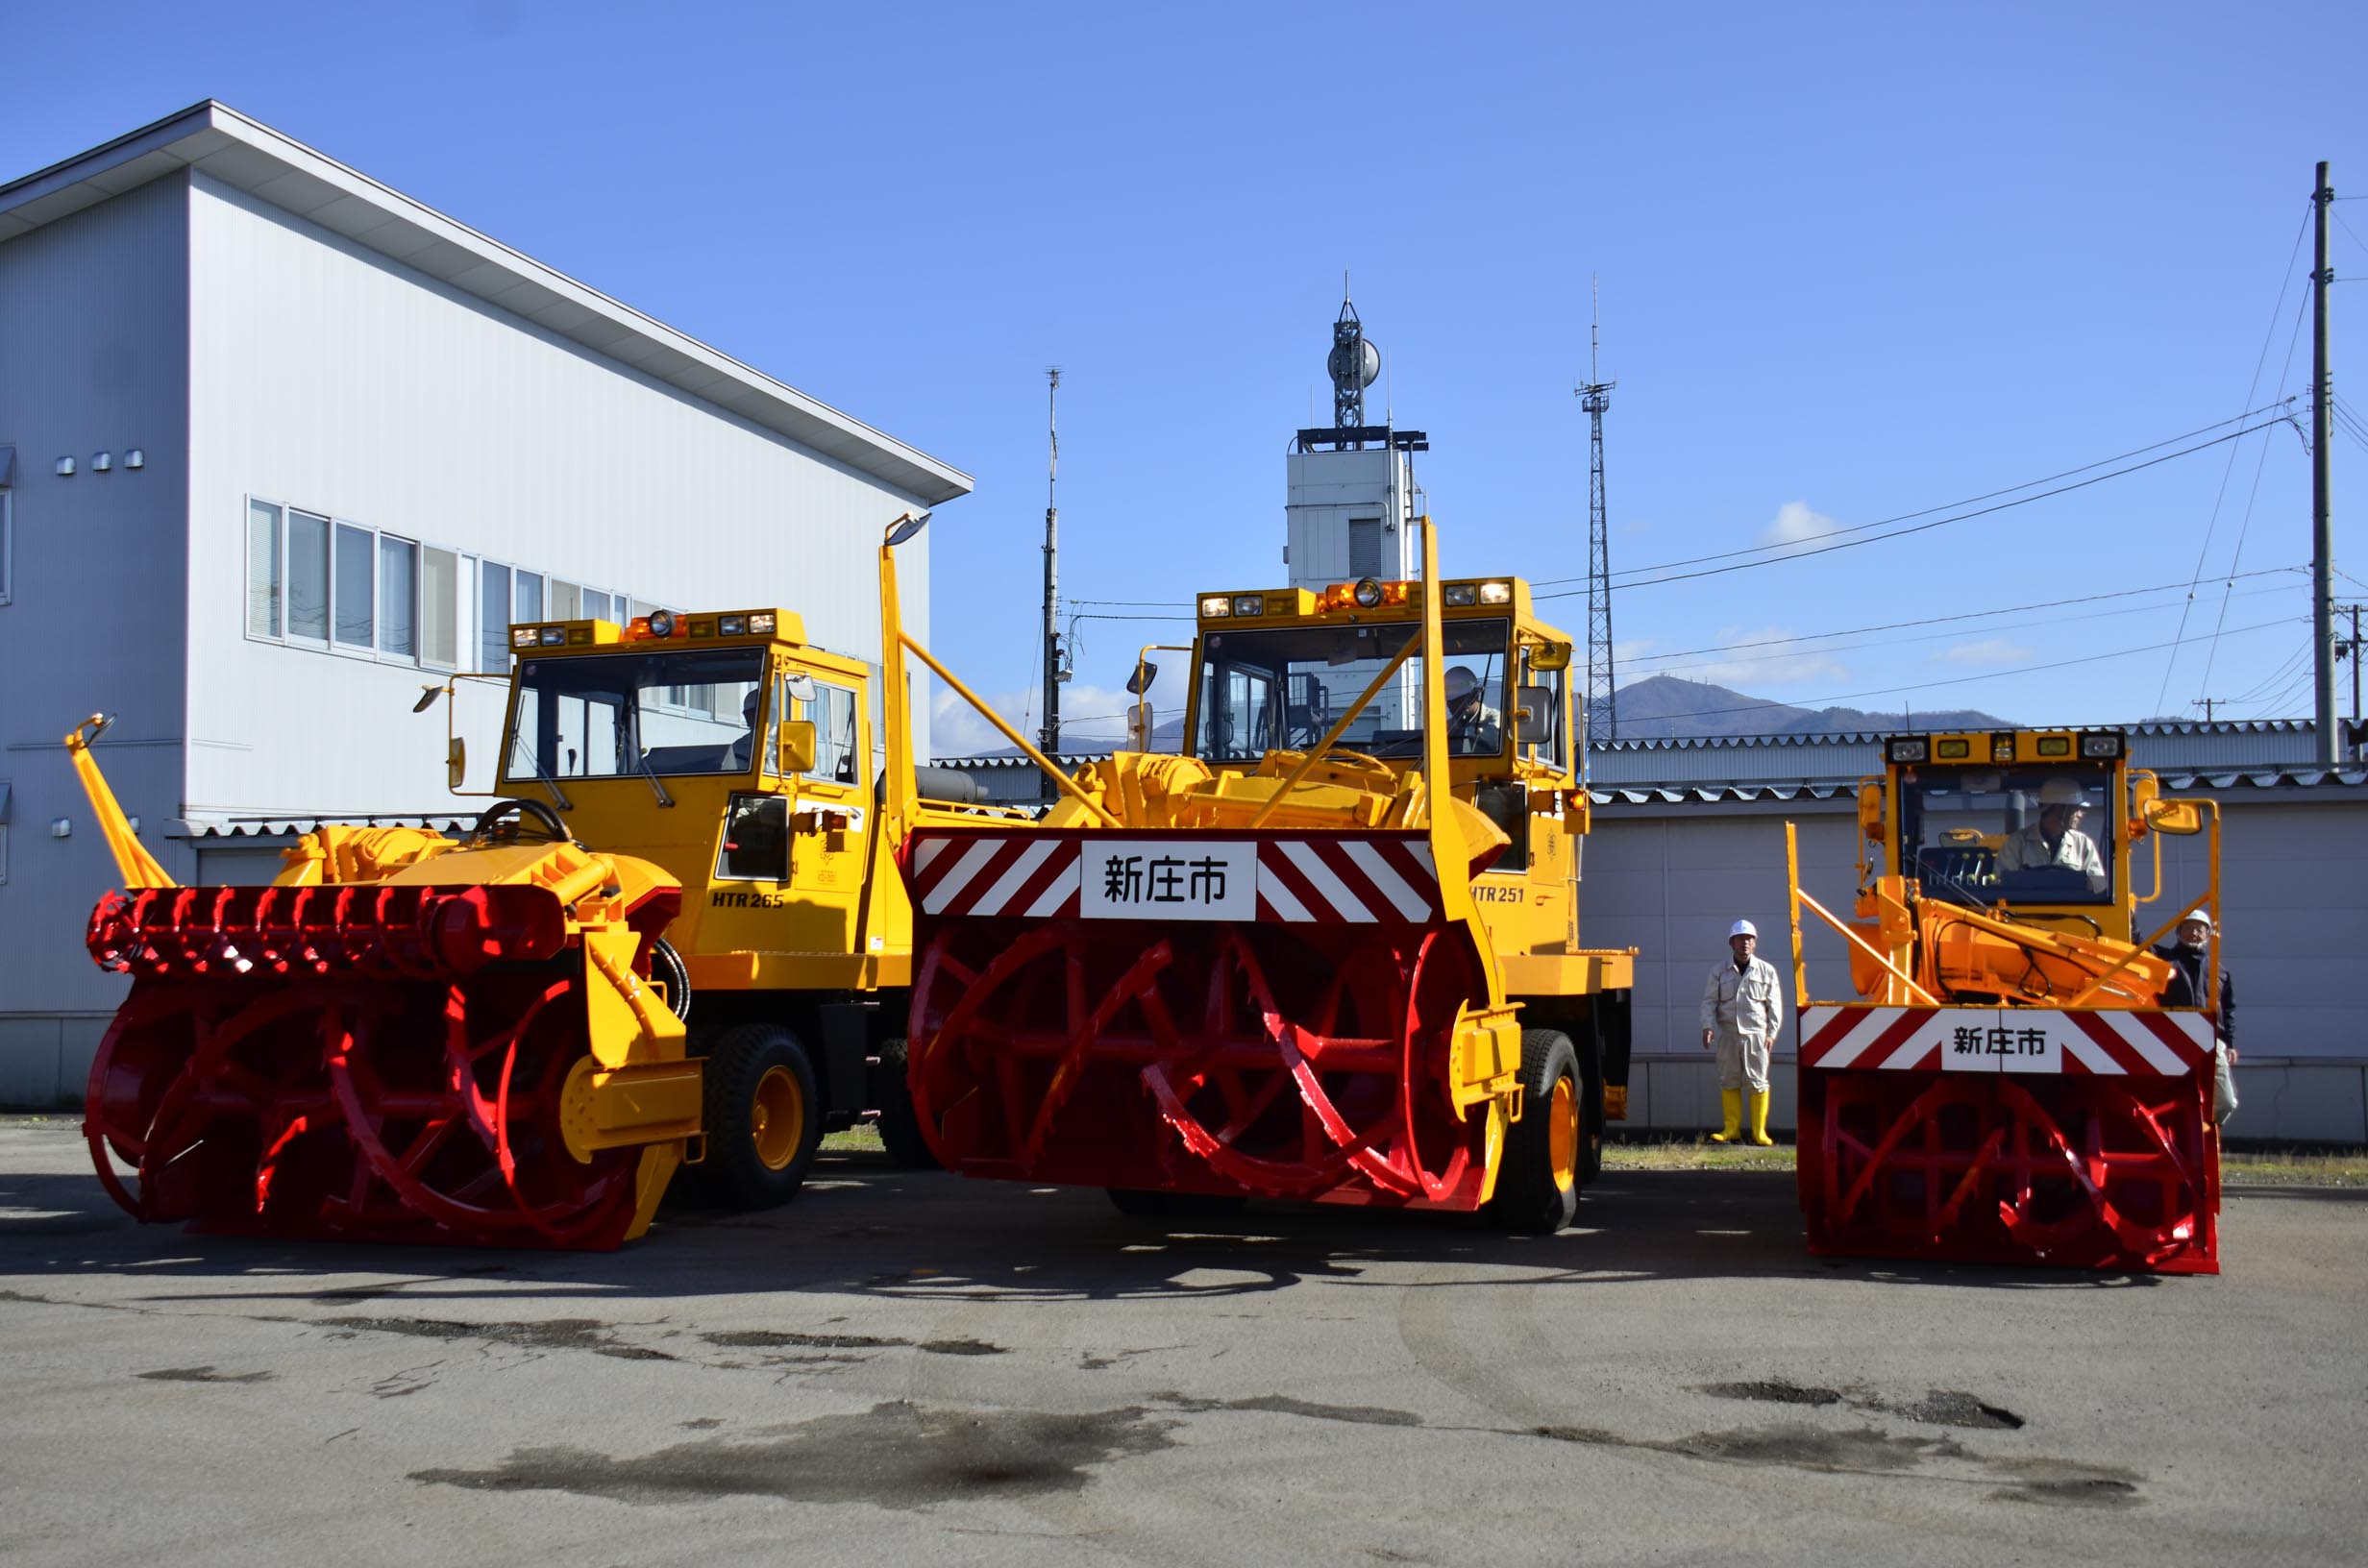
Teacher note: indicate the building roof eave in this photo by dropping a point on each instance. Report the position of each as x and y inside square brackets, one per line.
[217, 141]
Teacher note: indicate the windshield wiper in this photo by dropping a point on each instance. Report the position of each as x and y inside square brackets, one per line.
[558, 795]
[642, 761]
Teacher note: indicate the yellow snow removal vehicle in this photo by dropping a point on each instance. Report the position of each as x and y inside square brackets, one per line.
[676, 934]
[2019, 1078]
[1330, 952]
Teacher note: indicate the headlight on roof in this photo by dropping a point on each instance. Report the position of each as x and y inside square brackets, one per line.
[731, 625]
[1214, 606]
[1915, 750]
[555, 636]
[2100, 745]
[1249, 604]
[521, 636]
[661, 622]
[1496, 592]
[1457, 595]
[1368, 593]
[761, 623]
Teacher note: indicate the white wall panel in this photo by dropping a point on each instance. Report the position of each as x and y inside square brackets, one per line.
[327, 377]
[94, 341]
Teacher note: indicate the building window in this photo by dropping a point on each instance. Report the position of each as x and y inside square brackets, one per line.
[530, 597]
[833, 712]
[264, 570]
[398, 597]
[308, 578]
[439, 607]
[1365, 547]
[353, 609]
[492, 617]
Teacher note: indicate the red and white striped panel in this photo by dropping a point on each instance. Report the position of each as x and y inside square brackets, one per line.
[1335, 879]
[2114, 1043]
[995, 873]
[1338, 878]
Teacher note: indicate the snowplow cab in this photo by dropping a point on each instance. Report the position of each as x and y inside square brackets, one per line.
[2021, 1077]
[1329, 952]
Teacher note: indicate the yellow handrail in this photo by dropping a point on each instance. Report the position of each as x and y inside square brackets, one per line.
[138, 867]
[1068, 786]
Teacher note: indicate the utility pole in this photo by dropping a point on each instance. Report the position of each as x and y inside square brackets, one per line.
[1602, 694]
[2206, 704]
[2322, 487]
[1048, 738]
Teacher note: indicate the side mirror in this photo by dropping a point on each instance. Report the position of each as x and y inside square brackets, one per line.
[1550, 656]
[1870, 813]
[1138, 729]
[455, 763]
[795, 754]
[2176, 818]
[1140, 680]
[1536, 715]
[800, 685]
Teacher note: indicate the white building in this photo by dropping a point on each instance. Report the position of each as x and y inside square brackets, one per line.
[278, 446]
[1350, 493]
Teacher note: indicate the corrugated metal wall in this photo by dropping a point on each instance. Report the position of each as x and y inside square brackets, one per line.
[93, 335]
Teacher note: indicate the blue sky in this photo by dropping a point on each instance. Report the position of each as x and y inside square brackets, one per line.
[1856, 262]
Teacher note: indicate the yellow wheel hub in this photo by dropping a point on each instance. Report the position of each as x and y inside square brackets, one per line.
[1562, 1134]
[776, 1118]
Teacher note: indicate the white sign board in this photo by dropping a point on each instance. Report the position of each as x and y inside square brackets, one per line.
[1153, 880]
[2015, 1039]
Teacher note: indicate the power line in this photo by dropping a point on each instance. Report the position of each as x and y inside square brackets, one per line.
[1939, 620]
[2211, 524]
[1907, 516]
[2211, 652]
[1962, 681]
[1897, 641]
[1922, 528]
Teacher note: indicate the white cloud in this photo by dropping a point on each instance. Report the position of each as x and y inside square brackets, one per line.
[1795, 522]
[1987, 650]
[1092, 717]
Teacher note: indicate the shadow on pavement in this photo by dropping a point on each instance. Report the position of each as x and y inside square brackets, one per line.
[866, 1227]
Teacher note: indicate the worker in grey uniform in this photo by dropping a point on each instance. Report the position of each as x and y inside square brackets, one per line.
[1739, 1011]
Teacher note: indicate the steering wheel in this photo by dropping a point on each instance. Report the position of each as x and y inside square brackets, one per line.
[488, 824]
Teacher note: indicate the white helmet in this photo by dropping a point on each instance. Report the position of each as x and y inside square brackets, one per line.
[2196, 917]
[2061, 791]
[1741, 928]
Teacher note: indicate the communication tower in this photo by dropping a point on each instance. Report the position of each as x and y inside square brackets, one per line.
[1351, 497]
[1595, 396]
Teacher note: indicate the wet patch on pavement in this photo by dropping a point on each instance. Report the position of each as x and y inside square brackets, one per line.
[785, 1340]
[1364, 1415]
[2068, 1484]
[201, 1374]
[894, 1455]
[547, 1333]
[1938, 1407]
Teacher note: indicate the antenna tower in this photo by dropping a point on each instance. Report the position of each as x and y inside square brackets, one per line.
[1602, 701]
[1048, 738]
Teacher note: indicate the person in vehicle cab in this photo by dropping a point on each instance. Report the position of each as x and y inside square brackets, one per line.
[743, 749]
[2056, 839]
[1474, 727]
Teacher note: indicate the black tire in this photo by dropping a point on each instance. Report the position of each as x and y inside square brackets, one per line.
[1136, 1203]
[756, 1074]
[1532, 1196]
[899, 1126]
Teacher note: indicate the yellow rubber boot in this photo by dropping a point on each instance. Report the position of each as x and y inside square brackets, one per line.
[1758, 1121]
[1731, 1100]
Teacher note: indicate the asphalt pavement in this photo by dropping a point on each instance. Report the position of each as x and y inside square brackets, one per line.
[906, 1368]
